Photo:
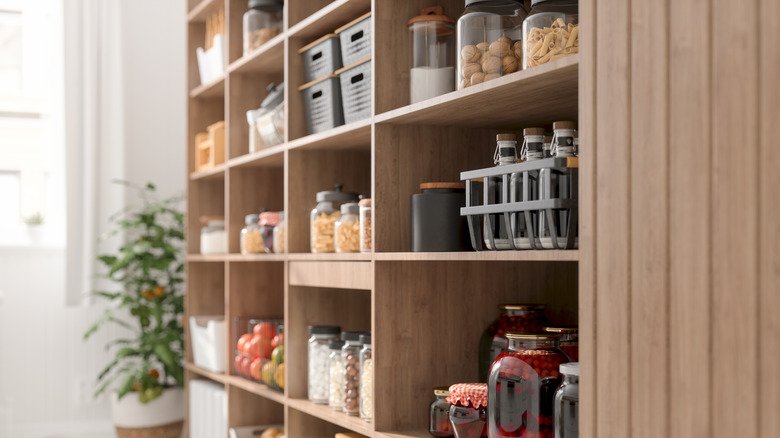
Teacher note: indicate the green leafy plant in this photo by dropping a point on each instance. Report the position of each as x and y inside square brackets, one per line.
[149, 268]
[34, 219]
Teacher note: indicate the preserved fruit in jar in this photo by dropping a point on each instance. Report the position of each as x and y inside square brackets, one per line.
[439, 422]
[468, 410]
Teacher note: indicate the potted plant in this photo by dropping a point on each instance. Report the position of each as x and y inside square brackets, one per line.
[147, 365]
[34, 224]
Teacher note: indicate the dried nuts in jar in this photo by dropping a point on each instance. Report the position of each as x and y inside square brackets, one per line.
[489, 60]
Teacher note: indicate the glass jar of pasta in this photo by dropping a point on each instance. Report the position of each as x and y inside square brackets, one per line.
[324, 217]
[551, 31]
[489, 40]
[279, 235]
[347, 229]
[251, 237]
[365, 225]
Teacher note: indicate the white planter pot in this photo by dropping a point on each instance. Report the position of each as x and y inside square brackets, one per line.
[167, 409]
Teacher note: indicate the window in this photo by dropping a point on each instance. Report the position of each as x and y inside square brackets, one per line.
[11, 49]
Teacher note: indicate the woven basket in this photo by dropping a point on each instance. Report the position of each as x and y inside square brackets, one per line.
[172, 430]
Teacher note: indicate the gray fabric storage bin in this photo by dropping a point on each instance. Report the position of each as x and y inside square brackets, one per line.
[322, 104]
[322, 57]
[356, 90]
[355, 38]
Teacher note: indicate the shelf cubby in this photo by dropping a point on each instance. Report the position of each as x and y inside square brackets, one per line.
[206, 198]
[247, 91]
[261, 188]
[246, 408]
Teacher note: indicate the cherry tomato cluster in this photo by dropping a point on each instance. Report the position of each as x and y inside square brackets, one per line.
[572, 350]
[526, 321]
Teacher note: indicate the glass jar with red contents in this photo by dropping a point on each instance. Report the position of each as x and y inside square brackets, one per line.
[514, 318]
[468, 410]
[570, 341]
[522, 384]
[439, 425]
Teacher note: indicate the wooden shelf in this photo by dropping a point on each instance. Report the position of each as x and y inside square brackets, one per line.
[256, 257]
[324, 412]
[266, 59]
[217, 172]
[331, 257]
[481, 256]
[203, 10]
[207, 257]
[271, 157]
[329, 18]
[214, 89]
[217, 377]
[256, 388]
[539, 95]
[356, 135]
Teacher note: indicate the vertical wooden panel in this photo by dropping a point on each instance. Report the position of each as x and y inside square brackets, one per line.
[769, 227]
[588, 195]
[649, 219]
[735, 218]
[613, 227]
[690, 227]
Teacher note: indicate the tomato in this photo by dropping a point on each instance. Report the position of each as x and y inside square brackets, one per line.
[237, 363]
[276, 341]
[265, 329]
[254, 346]
[254, 369]
[246, 364]
[243, 343]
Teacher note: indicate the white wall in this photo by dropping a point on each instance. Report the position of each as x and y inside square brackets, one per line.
[47, 372]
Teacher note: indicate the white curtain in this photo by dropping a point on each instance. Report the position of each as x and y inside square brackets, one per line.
[94, 136]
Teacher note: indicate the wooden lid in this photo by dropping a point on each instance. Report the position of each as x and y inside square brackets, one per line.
[316, 81]
[564, 125]
[433, 14]
[443, 185]
[206, 219]
[353, 65]
[317, 41]
[365, 202]
[533, 131]
[506, 137]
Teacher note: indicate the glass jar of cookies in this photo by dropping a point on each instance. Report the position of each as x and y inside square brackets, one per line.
[262, 22]
[490, 37]
[551, 31]
[324, 217]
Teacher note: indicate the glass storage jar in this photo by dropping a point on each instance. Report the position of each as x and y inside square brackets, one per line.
[551, 31]
[439, 422]
[335, 375]
[365, 225]
[213, 239]
[560, 188]
[350, 357]
[251, 239]
[266, 124]
[262, 22]
[494, 227]
[489, 40]
[268, 220]
[468, 410]
[324, 217]
[319, 350]
[433, 54]
[513, 318]
[522, 384]
[366, 380]
[531, 150]
[567, 402]
[347, 229]
[570, 343]
[279, 235]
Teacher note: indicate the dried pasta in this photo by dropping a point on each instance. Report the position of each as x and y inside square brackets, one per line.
[545, 44]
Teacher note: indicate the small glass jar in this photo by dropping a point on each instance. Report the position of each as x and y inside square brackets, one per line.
[522, 228]
[513, 318]
[550, 32]
[213, 238]
[319, 350]
[251, 239]
[468, 410]
[335, 375]
[279, 235]
[554, 234]
[366, 380]
[489, 40]
[267, 222]
[324, 217]
[366, 227]
[350, 357]
[262, 22]
[270, 117]
[570, 341]
[347, 229]
[433, 54]
[439, 422]
[521, 386]
[567, 402]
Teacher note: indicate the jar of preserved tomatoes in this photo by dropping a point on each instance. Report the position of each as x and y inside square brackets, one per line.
[439, 424]
[468, 410]
[514, 318]
[570, 341]
[522, 384]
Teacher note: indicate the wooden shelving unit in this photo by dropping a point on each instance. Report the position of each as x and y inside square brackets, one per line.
[426, 310]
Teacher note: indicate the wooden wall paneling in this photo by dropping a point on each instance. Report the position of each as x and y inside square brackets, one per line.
[247, 409]
[205, 198]
[735, 203]
[301, 425]
[649, 227]
[296, 116]
[769, 226]
[350, 309]
[252, 189]
[246, 92]
[393, 59]
[429, 317]
[613, 226]
[234, 17]
[407, 156]
[690, 206]
[297, 10]
[588, 290]
[315, 171]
